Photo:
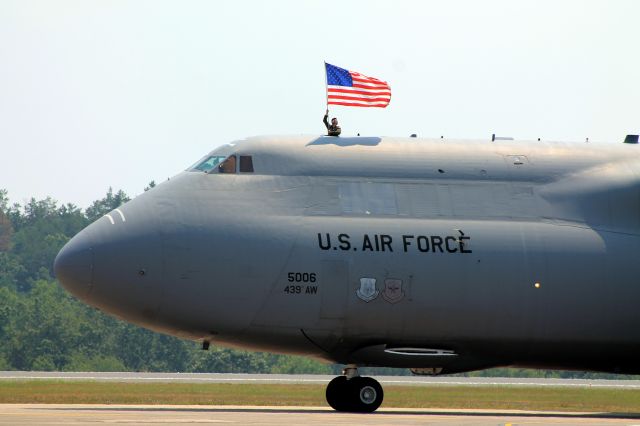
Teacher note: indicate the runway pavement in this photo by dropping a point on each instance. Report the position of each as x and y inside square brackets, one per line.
[56, 414]
[82, 414]
[312, 379]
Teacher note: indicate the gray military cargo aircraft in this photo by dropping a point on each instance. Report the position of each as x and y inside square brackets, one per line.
[441, 256]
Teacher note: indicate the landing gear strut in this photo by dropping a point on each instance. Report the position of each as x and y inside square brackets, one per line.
[353, 393]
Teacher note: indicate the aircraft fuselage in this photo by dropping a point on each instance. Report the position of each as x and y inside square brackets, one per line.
[451, 255]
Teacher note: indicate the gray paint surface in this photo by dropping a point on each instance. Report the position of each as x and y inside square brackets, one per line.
[507, 253]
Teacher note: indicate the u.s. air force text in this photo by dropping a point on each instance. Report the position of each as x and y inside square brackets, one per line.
[387, 243]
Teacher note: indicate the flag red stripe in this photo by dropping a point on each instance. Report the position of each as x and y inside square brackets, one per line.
[353, 98]
[367, 86]
[370, 87]
[360, 100]
[359, 92]
[361, 96]
[359, 105]
[363, 79]
[358, 75]
[368, 80]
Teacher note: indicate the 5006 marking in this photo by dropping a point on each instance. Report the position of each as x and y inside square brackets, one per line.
[301, 277]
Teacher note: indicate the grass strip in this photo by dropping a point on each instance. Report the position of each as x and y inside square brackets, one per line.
[437, 396]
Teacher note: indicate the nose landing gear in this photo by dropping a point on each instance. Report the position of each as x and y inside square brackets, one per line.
[353, 393]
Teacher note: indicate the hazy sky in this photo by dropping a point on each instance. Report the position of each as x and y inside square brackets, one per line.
[116, 93]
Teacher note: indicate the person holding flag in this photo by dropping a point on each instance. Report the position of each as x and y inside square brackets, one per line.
[332, 129]
[350, 88]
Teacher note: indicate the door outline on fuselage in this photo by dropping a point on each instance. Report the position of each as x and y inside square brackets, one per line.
[327, 335]
[334, 276]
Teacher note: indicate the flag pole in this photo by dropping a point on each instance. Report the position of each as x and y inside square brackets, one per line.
[326, 85]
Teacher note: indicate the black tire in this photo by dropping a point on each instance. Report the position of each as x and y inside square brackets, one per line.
[336, 394]
[365, 395]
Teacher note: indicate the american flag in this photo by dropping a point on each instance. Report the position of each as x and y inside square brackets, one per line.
[350, 88]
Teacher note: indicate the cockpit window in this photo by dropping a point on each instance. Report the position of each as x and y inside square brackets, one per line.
[208, 163]
[228, 165]
[246, 164]
[233, 163]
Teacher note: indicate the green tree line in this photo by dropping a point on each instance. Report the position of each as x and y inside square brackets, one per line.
[42, 327]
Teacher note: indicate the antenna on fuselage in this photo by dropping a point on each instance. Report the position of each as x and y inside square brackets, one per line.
[500, 138]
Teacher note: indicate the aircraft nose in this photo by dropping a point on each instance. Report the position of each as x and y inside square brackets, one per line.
[74, 265]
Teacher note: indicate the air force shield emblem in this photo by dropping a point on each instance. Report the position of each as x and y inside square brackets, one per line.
[367, 290]
[392, 290]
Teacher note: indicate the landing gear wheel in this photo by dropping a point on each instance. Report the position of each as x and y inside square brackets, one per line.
[357, 395]
[337, 394]
[366, 395]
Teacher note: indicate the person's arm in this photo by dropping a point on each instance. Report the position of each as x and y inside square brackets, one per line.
[325, 120]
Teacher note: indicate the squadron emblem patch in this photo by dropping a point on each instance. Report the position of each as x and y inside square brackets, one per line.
[392, 290]
[367, 290]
